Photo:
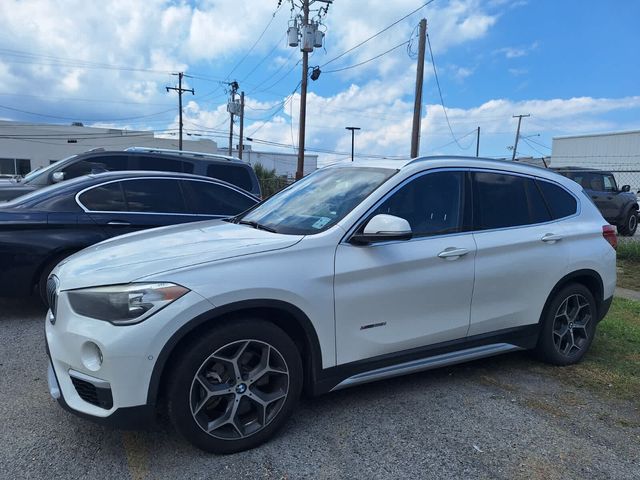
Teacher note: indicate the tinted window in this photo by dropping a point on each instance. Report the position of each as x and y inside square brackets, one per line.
[432, 203]
[609, 183]
[103, 198]
[560, 202]
[234, 174]
[95, 164]
[154, 195]
[212, 199]
[164, 164]
[507, 201]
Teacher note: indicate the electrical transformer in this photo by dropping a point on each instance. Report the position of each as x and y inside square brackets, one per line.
[292, 36]
[308, 38]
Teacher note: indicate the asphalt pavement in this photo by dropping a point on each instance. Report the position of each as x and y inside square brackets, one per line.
[501, 418]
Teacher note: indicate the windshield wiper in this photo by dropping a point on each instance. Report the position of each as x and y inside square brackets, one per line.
[256, 225]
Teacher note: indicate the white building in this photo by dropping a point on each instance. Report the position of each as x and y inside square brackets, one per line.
[27, 146]
[618, 152]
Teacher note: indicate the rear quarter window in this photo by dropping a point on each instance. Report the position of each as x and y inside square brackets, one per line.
[560, 202]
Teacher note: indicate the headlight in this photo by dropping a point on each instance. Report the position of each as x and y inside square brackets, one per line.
[124, 304]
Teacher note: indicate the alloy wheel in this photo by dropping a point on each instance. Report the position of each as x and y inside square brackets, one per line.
[570, 333]
[239, 389]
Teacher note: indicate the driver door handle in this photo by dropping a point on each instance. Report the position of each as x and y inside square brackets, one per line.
[118, 223]
[452, 252]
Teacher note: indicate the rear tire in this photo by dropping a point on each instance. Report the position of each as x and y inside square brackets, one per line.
[233, 387]
[568, 326]
[630, 225]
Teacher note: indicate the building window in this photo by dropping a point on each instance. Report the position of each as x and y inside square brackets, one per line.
[14, 166]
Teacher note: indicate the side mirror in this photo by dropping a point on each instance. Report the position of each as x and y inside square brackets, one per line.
[383, 228]
[57, 177]
[625, 188]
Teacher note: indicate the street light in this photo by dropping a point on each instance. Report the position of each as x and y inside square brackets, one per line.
[353, 132]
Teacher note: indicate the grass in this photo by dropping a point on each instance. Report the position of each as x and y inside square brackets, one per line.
[629, 273]
[629, 249]
[612, 365]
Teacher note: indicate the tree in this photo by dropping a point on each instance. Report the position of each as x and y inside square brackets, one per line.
[270, 182]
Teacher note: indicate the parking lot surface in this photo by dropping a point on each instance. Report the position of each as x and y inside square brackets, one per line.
[504, 417]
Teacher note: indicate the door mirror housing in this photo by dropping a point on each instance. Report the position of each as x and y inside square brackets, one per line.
[626, 188]
[57, 177]
[383, 228]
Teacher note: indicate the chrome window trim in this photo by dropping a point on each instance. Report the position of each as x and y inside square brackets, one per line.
[345, 239]
[122, 212]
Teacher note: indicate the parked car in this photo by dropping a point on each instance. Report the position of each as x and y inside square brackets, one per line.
[359, 272]
[229, 169]
[618, 205]
[40, 229]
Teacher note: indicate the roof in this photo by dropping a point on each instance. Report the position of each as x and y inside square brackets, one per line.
[443, 161]
[603, 134]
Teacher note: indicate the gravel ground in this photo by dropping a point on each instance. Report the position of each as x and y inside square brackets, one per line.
[498, 418]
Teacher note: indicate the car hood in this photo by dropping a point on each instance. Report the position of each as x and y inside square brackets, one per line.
[130, 257]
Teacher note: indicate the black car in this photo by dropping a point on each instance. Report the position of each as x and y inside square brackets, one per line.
[40, 229]
[229, 169]
[618, 205]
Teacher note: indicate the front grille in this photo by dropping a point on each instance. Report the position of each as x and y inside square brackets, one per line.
[52, 293]
[100, 397]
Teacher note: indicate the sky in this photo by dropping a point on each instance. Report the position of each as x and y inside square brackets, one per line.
[573, 66]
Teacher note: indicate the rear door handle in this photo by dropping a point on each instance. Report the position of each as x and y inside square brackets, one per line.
[118, 223]
[453, 252]
[550, 238]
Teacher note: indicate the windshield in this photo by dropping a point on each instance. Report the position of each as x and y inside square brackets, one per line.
[36, 174]
[318, 201]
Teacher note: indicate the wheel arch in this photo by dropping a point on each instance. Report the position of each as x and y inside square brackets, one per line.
[587, 277]
[288, 317]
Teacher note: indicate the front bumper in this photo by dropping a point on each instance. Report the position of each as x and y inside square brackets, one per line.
[113, 390]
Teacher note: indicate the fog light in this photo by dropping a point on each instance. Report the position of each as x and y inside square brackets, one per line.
[91, 356]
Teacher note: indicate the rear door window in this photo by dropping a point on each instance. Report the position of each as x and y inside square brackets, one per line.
[503, 200]
[154, 195]
[561, 203]
[208, 198]
[235, 174]
[104, 198]
[163, 164]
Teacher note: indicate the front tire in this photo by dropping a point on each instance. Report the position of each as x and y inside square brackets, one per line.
[630, 225]
[232, 388]
[568, 326]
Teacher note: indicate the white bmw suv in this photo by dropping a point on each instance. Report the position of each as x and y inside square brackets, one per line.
[359, 272]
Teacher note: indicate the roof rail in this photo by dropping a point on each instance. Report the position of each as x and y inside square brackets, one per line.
[185, 153]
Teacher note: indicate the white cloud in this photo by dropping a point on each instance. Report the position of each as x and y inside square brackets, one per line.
[516, 52]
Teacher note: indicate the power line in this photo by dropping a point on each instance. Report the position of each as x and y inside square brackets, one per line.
[526, 140]
[446, 116]
[83, 118]
[377, 34]
[288, 99]
[367, 61]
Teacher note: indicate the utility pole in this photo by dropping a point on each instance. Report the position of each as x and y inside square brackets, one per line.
[417, 106]
[231, 107]
[241, 143]
[303, 95]
[307, 35]
[180, 91]
[515, 146]
[353, 132]
[478, 143]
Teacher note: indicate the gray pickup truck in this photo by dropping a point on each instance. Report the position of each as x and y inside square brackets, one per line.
[619, 206]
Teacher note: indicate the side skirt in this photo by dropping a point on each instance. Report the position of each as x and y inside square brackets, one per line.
[427, 364]
[424, 358]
